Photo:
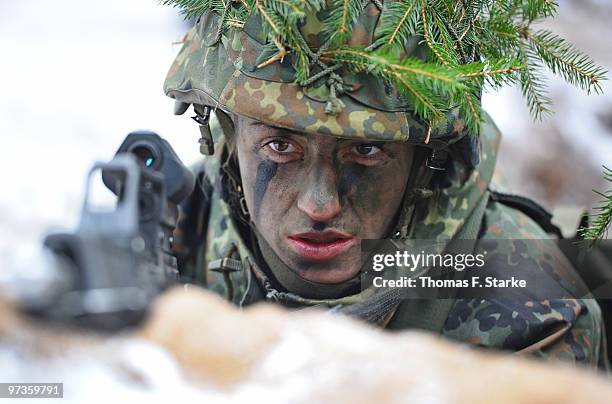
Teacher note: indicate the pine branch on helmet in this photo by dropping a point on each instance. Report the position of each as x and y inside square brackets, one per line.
[462, 47]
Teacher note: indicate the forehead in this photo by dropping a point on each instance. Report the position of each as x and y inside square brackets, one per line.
[252, 130]
[248, 125]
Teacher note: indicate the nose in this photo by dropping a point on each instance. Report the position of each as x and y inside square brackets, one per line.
[319, 196]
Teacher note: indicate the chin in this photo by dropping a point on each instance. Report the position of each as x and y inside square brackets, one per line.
[328, 276]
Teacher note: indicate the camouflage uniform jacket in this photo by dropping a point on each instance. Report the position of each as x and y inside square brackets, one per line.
[570, 329]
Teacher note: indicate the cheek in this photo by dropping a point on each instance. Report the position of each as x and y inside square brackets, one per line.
[269, 189]
[352, 181]
[266, 171]
[374, 195]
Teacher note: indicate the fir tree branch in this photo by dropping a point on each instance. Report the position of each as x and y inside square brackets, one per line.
[472, 44]
[424, 106]
[492, 72]
[436, 74]
[473, 117]
[433, 89]
[247, 7]
[342, 15]
[189, 8]
[418, 83]
[267, 17]
[286, 7]
[300, 49]
[533, 86]
[564, 59]
[603, 218]
[436, 35]
[399, 22]
[278, 56]
[537, 9]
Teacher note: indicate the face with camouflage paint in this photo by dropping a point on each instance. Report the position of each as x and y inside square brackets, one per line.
[313, 197]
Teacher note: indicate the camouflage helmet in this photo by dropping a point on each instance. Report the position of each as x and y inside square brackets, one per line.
[238, 71]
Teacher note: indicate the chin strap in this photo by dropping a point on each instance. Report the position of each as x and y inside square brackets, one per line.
[417, 189]
[202, 117]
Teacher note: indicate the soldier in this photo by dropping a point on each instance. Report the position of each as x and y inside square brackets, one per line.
[302, 172]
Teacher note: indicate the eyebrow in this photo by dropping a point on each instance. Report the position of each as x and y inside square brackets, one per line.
[287, 132]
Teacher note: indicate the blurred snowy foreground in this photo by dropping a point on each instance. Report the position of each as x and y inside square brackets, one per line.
[267, 355]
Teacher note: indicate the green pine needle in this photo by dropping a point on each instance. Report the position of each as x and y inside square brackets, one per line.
[471, 45]
[399, 23]
[342, 15]
[533, 85]
[189, 8]
[564, 59]
[537, 9]
[600, 221]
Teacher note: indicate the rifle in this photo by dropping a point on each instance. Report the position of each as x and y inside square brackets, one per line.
[119, 260]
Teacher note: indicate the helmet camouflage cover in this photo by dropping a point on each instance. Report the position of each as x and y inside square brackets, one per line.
[239, 71]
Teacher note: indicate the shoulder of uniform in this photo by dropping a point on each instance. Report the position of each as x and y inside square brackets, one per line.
[192, 223]
[516, 324]
[503, 221]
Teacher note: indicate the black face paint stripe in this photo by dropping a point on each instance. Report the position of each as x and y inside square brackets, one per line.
[266, 170]
[319, 226]
[349, 179]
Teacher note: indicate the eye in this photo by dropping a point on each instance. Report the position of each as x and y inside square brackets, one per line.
[282, 150]
[366, 150]
[280, 146]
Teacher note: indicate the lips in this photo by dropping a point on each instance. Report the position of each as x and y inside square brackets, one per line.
[320, 246]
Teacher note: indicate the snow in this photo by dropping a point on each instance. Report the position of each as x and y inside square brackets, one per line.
[76, 77]
[130, 371]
